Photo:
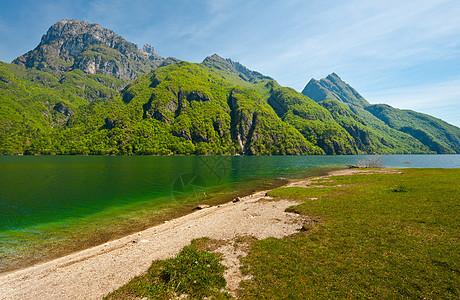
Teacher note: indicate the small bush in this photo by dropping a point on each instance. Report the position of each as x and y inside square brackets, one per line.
[400, 189]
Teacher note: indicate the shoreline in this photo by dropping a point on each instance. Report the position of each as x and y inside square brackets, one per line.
[81, 240]
[94, 272]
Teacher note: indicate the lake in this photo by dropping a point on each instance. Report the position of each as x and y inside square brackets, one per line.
[53, 205]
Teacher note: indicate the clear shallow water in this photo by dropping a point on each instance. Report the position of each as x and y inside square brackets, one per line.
[50, 205]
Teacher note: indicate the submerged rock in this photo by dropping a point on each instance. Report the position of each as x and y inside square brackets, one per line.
[202, 206]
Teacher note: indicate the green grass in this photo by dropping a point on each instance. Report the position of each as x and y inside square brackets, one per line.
[383, 236]
[366, 236]
[194, 272]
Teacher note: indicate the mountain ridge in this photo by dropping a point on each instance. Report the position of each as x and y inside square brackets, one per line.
[86, 90]
[436, 134]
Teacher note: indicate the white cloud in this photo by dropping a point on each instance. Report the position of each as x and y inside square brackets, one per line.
[379, 37]
[422, 95]
[217, 6]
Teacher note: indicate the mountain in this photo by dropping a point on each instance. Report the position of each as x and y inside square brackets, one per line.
[73, 44]
[319, 124]
[438, 135]
[182, 108]
[86, 90]
[435, 134]
[206, 110]
[332, 87]
[231, 68]
[32, 103]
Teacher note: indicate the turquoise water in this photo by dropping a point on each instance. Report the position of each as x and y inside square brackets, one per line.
[51, 205]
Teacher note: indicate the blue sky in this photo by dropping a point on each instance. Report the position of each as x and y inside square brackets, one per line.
[403, 53]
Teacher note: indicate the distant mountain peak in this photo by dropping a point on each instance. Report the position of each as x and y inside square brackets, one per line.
[215, 56]
[227, 65]
[333, 75]
[74, 44]
[333, 87]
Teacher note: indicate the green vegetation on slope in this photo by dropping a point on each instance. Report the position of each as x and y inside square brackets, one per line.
[397, 130]
[217, 107]
[313, 121]
[438, 135]
[370, 139]
[217, 116]
[374, 236]
[29, 109]
[316, 123]
[178, 109]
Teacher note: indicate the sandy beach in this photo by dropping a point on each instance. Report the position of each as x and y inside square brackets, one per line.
[95, 272]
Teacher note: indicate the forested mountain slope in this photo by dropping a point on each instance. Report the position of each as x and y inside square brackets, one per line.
[86, 90]
[435, 134]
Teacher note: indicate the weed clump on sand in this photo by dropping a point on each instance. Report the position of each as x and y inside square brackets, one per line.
[193, 272]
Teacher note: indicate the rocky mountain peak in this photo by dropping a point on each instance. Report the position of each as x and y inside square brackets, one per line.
[333, 87]
[74, 44]
[235, 68]
[69, 29]
[333, 77]
[148, 49]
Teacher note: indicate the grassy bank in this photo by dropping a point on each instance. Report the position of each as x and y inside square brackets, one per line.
[382, 235]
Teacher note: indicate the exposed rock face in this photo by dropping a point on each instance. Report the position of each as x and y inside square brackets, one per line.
[61, 108]
[73, 44]
[332, 87]
[179, 101]
[242, 125]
